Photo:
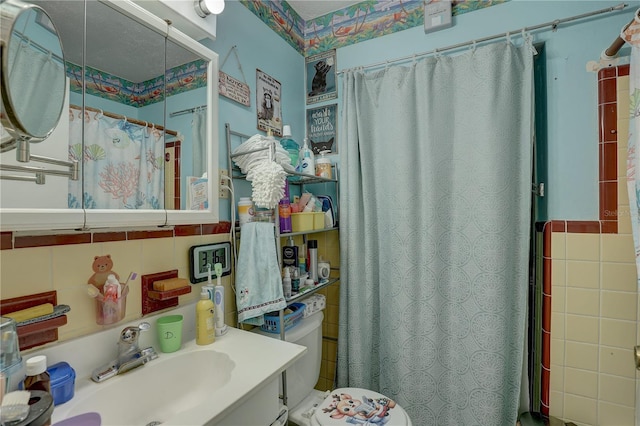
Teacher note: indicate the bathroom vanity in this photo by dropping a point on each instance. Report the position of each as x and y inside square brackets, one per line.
[230, 382]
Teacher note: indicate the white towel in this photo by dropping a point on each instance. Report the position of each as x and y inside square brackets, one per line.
[258, 281]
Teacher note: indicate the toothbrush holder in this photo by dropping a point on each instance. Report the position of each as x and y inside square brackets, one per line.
[109, 311]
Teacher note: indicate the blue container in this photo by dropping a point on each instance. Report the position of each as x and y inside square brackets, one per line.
[63, 380]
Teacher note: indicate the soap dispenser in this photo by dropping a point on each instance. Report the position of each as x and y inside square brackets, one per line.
[307, 162]
[205, 322]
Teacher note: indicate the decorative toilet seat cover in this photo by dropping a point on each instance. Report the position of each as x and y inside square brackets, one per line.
[356, 406]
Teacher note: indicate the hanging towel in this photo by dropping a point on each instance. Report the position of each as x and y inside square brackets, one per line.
[258, 281]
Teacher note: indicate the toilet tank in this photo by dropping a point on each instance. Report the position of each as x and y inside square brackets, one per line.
[303, 375]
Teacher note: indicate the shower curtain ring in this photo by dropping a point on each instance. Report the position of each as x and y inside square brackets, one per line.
[473, 46]
[508, 35]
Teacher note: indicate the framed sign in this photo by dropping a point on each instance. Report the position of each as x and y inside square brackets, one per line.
[322, 129]
[268, 106]
[321, 77]
[234, 89]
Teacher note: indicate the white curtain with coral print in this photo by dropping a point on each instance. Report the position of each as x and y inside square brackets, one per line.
[122, 163]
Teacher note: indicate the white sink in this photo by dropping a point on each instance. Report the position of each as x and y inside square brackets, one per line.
[230, 382]
[157, 391]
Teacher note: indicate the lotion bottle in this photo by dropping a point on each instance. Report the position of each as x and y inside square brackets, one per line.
[307, 162]
[205, 323]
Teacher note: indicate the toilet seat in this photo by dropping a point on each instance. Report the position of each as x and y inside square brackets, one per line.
[348, 406]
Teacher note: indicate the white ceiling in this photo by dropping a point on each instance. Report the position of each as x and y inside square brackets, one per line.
[310, 9]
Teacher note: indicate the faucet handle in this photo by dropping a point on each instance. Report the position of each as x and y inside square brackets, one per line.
[130, 334]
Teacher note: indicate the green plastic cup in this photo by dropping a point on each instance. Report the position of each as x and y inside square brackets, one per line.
[170, 333]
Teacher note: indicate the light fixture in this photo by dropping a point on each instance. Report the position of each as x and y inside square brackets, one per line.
[207, 7]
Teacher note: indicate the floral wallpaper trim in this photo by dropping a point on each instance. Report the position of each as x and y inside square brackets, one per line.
[180, 79]
[363, 21]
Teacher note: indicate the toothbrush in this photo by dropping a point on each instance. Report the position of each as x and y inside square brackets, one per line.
[218, 268]
[218, 301]
[209, 273]
[125, 286]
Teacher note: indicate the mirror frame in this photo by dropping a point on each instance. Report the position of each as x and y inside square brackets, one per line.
[21, 219]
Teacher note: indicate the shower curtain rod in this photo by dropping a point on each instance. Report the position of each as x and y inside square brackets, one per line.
[128, 119]
[553, 24]
[37, 46]
[617, 44]
[187, 111]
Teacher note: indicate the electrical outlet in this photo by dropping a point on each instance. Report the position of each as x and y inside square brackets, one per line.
[224, 192]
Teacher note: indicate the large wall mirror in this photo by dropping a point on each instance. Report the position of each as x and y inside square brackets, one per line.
[140, 117]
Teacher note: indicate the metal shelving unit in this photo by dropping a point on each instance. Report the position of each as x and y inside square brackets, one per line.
[303, 179]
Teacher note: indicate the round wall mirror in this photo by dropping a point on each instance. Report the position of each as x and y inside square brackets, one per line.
[33, 79]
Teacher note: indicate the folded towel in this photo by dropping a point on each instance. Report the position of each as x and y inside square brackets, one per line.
[258, 281]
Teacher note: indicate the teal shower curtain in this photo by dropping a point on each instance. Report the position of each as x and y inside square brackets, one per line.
[435, 199]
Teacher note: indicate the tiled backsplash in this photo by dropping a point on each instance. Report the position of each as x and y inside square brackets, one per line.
[62, 262]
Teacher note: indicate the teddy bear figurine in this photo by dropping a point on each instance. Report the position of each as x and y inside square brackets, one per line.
[101, 270]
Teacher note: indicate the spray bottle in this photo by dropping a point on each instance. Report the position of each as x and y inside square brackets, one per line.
[307, 161]
[221, 327]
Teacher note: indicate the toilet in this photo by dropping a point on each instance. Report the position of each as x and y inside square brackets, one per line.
[343, 406]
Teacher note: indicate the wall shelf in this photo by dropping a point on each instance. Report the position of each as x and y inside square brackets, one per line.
[309, 291]
[294, 178]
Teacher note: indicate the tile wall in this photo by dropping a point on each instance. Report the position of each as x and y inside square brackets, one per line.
[62, 262]
[595, 304]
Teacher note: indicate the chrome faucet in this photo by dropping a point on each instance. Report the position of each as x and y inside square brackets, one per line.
[130, 355]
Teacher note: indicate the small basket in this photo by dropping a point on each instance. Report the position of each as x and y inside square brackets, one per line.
[272, 319]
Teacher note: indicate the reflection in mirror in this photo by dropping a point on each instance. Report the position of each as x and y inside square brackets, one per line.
[186, 112]
[33, 98]
[35, 85]
[136, 145]
[119, 136]
[116, 102]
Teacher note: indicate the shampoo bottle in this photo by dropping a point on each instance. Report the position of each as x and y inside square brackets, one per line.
[205, 323]
[307, 162]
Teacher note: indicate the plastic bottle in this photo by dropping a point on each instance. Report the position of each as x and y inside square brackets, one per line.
[286, 283]
[284, 211]
[312, 260]
[290, 145]
[37, 375]
[245, 210]
[205, 323]
[307, 162]
[112, 288]
[323, 165]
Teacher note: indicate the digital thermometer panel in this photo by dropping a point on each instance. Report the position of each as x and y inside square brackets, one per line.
[208, 254]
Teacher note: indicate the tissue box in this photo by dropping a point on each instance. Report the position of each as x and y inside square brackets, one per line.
[63, 380]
